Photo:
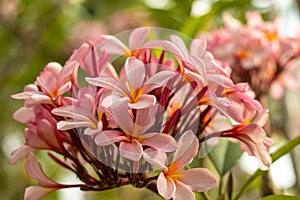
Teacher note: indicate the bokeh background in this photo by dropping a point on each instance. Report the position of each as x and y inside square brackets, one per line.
[35, 32]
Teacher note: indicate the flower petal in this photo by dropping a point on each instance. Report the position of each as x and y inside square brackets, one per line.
[183, 192]
[158, 80]
[156, 158]
[131, 150]
[187, 149]
[135, 73]
[144, 101]
[137, 37]
[122, 117]
[112, 45]
[108, 83]
[199, 179]
[109, 137]
[34, 170]
[37, 192]
[20, 153]
[165, 186]
[160, 141]
[24, 115]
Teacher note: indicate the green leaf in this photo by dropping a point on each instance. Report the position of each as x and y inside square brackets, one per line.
[224, 155]
[280, 197]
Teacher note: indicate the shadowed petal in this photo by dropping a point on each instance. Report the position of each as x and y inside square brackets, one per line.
[180, 44]
[165, 186]
[183, 192]
[122, 117]
[109, 137]
[199, 179]
[132, 150]
[160, 141]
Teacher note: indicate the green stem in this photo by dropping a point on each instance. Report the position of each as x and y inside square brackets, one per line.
[275, 156]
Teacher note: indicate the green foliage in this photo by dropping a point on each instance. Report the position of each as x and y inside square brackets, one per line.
[224, 156]
[280, 197]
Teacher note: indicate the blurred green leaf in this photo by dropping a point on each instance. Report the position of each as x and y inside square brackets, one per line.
[280, 197]
[224, 155]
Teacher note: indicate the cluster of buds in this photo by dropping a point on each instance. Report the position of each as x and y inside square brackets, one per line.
[137, 114]
[258, 52]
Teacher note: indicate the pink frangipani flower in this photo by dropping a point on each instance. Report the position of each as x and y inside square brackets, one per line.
[177, 184]
[133, 136]
[133, 86]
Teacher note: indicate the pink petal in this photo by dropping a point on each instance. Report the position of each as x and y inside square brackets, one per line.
[122, 117]
[160, 141]
[165, 45]
[113, 45]
[137, 37]
[199, 179]
[24, 115]
[131, 150]
[165, 186]
[74, 112]
[144, 101]
[71, 124]
[37, 192]
[156, 158]
[20, 153]
[158, 80]
[108, 137]
[183, 192]
[64, 88]
[198, 47]
[135, 73]
[34, 170]
[109, 83]
[187, 149]
[180, 44]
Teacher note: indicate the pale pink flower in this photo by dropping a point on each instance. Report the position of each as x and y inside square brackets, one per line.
[180, 185]
[53, 82]
[133, 86]
[133, 136]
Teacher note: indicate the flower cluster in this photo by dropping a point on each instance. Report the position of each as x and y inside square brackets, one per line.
[258, 53]
[115, 112]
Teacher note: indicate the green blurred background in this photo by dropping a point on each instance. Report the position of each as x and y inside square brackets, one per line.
[35, 32]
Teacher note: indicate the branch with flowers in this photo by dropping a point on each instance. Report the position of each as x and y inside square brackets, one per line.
[139, 112]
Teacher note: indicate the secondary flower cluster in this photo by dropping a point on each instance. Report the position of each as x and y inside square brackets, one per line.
[140, 108]
[258, 53]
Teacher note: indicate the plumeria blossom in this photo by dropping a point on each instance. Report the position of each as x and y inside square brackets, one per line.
[139, 120]
[258, 52]
[133, 136]
[53, 82]
[133, 86]
[180, 185]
